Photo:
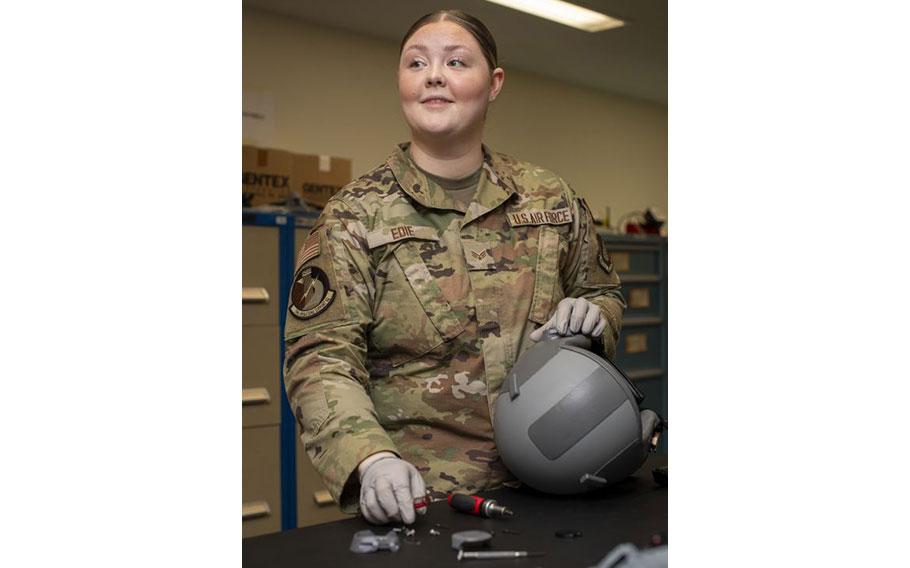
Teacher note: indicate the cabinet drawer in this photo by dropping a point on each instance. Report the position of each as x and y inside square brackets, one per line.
[311, 489]
[633, 259]
[261, 481]
[642, 296]
[260, 275]
[640, 346]
[261, 376]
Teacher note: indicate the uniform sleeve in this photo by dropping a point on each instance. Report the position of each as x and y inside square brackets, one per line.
[329, 313]
[588, 272]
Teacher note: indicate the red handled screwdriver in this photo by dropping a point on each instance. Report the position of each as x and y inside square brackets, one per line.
[474, 505]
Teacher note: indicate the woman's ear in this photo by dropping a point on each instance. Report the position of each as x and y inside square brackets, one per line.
[498, 77]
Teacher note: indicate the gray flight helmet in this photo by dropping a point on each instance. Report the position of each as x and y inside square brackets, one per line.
[567, 420]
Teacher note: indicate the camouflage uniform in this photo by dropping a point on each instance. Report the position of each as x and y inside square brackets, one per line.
[407, 311]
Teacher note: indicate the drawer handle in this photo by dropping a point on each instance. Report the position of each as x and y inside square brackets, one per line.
[323, 498]
[257, 395]
[256, 509]
[255, 295]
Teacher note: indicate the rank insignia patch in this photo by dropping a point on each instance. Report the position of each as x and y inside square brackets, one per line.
[310, 295]
[477, 255]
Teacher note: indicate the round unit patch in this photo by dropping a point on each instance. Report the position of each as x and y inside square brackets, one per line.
[310, 295]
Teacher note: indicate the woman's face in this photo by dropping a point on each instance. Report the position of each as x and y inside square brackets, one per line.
[444, 82]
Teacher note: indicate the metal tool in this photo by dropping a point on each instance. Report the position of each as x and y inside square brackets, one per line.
[368, 541]
[474, 505]
[492, 554]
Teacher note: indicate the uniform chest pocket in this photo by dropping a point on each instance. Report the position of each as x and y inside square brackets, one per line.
[412, 315]
[547, 288]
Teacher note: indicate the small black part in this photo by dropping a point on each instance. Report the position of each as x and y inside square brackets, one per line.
[568, 533]
[660, 475]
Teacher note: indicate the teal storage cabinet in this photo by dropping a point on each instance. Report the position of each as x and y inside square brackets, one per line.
[641, 262]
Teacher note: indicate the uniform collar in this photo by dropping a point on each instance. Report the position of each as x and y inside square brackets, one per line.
[495, 186]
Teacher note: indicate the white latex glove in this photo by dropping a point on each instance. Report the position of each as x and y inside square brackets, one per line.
[574, 315]
[388, 487]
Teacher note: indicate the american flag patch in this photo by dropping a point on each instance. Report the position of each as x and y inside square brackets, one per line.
[310, 249]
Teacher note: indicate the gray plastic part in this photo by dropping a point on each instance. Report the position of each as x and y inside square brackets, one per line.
[367, 541]
[627, 556]
[514, 389]
[593, 480]
[470, 539]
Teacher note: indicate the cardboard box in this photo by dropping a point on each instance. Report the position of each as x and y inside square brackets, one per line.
[267, 175]
[317, 178]
[270, 176]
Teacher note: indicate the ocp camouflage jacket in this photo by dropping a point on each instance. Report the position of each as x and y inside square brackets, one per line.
[407, 311]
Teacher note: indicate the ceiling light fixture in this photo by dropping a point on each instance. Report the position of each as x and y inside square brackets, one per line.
[564, 13]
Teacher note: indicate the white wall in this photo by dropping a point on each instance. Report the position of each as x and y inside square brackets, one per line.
[334, 92]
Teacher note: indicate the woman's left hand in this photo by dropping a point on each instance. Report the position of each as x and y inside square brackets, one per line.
[574, 315]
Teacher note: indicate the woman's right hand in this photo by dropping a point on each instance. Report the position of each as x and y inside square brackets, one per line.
[388, 487]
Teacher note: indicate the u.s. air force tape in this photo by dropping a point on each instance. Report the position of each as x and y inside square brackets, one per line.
[310, 295]
[540, 217]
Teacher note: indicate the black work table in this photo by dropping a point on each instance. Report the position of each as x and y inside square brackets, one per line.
[630, 511]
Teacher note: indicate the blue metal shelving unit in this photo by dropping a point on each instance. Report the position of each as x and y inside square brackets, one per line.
[642, 351]
[285, 223]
